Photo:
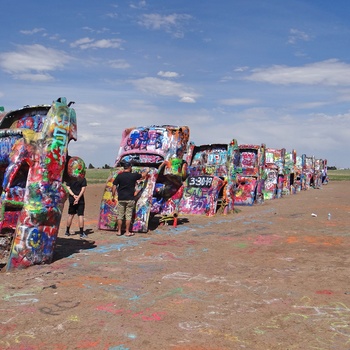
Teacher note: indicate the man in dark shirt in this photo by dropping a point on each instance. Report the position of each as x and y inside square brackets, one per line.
[76, 189]
[124, 184]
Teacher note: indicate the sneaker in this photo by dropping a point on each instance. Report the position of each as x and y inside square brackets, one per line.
[67, 234]
[83, 235]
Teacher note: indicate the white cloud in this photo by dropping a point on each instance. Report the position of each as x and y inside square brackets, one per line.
[296, 35]
[344, 95]
[139, 5]
[33, 31]
[99, 31]
[141, 105]
[93, 110]
[330, 72]
[168, 74]
[228, 78]
[32, 62]
[241, 69]
[82, 41]
[171, 23]
[56, 37]
[187, 99]
[119, 64]
[87, 43]
[163, 87]
[112, 15]
[238, 101]
[317, 134]
[34, 77]
[311, 105]
[225, 79]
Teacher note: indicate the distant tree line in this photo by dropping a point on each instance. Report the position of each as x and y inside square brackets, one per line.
[106, 166]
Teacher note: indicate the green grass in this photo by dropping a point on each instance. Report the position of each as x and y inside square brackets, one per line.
[97, 176]
[339, 175]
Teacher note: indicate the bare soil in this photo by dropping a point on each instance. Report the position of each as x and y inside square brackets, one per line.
[270, 276]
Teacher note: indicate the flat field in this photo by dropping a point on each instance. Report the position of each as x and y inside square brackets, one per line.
[272, 276]
[339, 175]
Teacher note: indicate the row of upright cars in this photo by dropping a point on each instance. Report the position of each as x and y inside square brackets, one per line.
[183, 179]
[208, 179]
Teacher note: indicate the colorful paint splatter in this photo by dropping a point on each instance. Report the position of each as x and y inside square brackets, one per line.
[34, 153]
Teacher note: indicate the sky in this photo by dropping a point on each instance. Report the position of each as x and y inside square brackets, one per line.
[258, 71]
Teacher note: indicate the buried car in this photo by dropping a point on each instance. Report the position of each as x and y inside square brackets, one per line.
[250, 174]
[290, 183]
[161, 150]
[33, 158]
[211, 179]
[274, 173]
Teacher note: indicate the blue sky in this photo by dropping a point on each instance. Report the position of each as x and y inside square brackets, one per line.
[260, 71]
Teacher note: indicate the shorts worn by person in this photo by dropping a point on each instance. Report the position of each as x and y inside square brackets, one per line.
[124, 185]
[76, 189]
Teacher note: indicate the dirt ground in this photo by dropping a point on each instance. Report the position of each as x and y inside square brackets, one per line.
[271, 276]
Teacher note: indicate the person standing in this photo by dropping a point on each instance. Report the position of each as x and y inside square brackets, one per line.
[124, 185]
[76, 189]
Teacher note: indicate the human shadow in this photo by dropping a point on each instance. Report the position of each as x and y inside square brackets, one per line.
[67, 246]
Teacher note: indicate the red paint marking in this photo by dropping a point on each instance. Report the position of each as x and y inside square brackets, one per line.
[324, 291]
[155, 316]
[174, 243]
[85, 344]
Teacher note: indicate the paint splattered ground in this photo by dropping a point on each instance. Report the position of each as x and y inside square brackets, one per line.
[268, 277]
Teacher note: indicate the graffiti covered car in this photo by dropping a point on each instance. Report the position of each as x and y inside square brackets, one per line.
[34, 153]
[290, 173]
[324, 173]
[274, 173]
[308, 163]
[299, 177]
[211, 179]
[161, 149]
[318, 171]
[249, 177]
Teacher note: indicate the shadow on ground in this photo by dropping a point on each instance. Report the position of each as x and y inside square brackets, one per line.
[158, 221]
[67, 246]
